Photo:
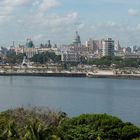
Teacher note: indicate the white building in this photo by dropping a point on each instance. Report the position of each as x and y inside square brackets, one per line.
[30, 52]
[70, 57]
[132, 56]
[89, 43]
[108, 47]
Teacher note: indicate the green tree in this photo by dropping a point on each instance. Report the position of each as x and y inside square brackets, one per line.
[94, 126]
[43, 58]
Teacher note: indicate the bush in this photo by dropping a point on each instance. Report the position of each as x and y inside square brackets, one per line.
[45, 124]
[92, 126]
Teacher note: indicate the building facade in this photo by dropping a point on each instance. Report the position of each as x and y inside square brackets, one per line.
[70, 57]
[108, 47]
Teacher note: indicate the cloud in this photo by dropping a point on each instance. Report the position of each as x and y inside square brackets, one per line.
[7, 7]
[126, 33]
[4, 19]
[119, 1]
[38, 37]
[11, 3]
[133, 12]
[54, 20]
[36, 3]
[47, 4]
[43, 19]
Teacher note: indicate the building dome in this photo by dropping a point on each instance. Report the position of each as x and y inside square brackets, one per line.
[77, 40]
[29, 43]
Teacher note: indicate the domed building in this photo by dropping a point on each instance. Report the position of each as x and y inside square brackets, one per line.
[77, 40]
[29, 43]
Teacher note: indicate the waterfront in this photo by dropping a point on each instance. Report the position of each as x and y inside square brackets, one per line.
[74, 95]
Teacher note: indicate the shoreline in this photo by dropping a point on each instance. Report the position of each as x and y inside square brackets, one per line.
[73, 74]
[46, 74]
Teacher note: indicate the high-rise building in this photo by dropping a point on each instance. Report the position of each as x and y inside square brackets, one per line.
[108, 47]
[117, 46]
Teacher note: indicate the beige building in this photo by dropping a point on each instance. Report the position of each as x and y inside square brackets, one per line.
[30, 52]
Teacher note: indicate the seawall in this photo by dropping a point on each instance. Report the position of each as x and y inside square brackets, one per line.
[127, 76]
[63, 74]
[45, 74]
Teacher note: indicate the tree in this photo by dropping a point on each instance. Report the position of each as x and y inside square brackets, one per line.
[12, 58]
[96, 126]
[47, 57]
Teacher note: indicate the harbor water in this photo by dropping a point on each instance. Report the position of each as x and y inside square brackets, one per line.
[74, 96]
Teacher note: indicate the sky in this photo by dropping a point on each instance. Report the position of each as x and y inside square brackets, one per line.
[57, 20]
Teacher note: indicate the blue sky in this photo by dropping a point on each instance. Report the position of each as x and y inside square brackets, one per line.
[57, 20]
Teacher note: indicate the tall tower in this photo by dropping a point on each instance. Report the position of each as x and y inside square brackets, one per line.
[77, 40]
[49, 44]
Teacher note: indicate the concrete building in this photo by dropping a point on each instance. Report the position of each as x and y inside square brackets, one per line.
[30, 52]
[117, 46]
[70, 57]
[108, 47]
[132, 56]
[127, 50]
[89, 43]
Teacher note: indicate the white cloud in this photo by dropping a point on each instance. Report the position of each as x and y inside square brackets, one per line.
[133, 12]
[4, 19]
[55, 20]
[126, 33]
[36, 3]
[120, 1]
[14, 2]
[7, 7]
[138, 27]
[34, 18]
[47, 4]
[38, 37]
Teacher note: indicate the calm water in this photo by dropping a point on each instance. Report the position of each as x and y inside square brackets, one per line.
[74, 95]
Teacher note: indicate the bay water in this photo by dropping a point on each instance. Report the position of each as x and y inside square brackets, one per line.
[74, 96]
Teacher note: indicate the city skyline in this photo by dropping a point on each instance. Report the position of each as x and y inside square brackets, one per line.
[57, 20]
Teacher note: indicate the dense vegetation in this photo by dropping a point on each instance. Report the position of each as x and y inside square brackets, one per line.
[113, 60]
[41, 124]
[51, 57]
[91, 127]
[46, 57]
[12, 58]
[41, 58]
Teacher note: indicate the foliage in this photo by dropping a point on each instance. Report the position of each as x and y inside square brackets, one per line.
[29, 124]
[12, 58]
[46, 57]
[51, 57]
[45, 124]
[114, 60]
[91, 127]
